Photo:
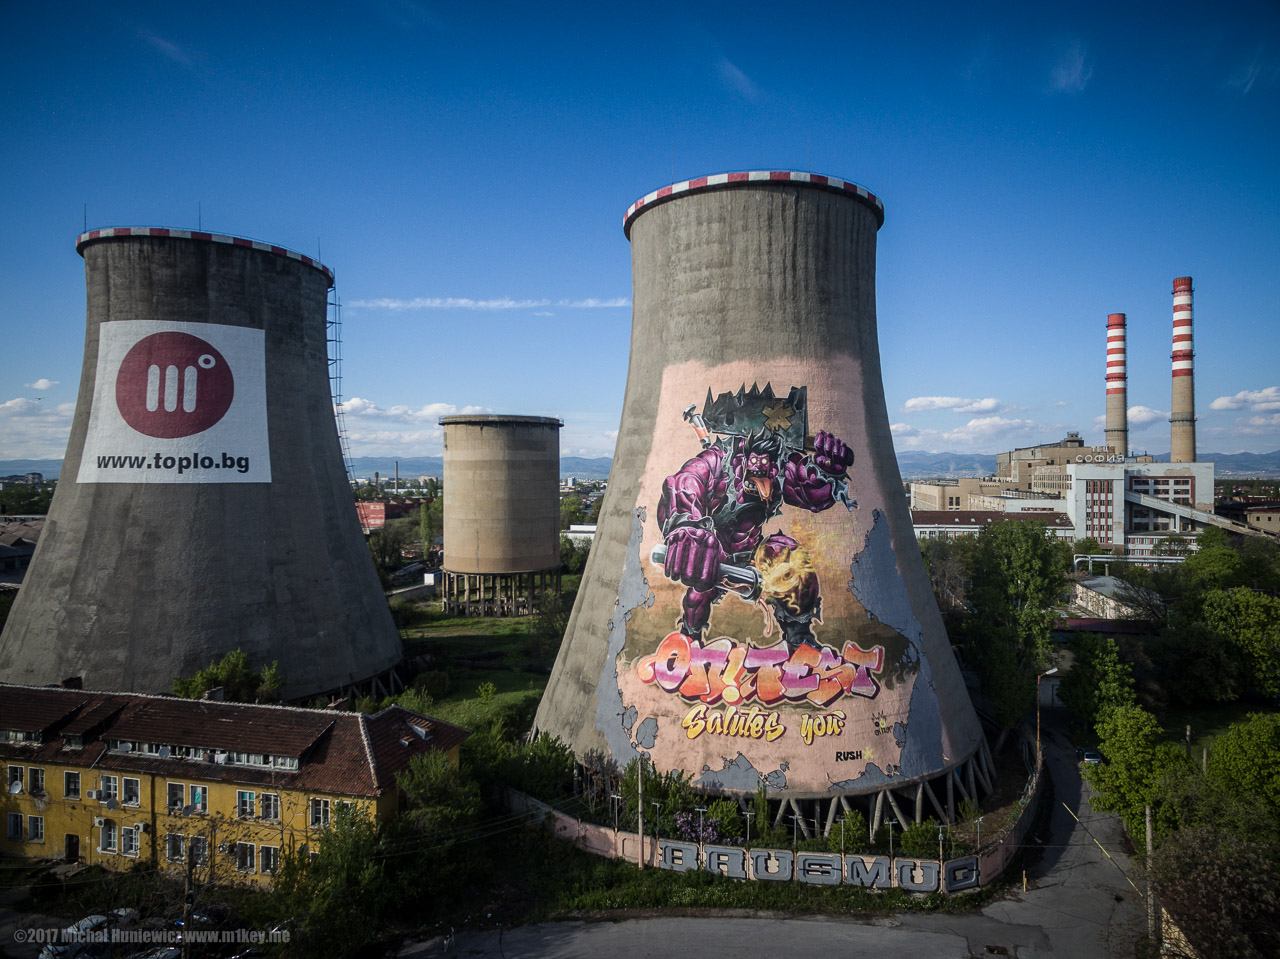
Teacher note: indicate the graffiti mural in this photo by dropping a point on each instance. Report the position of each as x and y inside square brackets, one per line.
[769, 650]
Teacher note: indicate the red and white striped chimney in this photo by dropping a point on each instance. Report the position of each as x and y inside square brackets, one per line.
[1117, 386]
[1182, 417]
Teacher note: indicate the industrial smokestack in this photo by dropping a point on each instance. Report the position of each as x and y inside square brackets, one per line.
[203, 505]
[1117, 386]
[1182, 418]
[755, 610]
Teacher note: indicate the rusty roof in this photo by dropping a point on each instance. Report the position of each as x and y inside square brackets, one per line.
[343, 753]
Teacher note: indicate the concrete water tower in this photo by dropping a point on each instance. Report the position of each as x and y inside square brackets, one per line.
[755, 610]
[501, 513]
[203, 504]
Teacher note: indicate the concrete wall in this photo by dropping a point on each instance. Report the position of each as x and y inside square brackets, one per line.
[501, 493]
[770, 285]
[139, 581]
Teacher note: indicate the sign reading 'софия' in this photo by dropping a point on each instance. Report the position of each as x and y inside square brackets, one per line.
[178, 403]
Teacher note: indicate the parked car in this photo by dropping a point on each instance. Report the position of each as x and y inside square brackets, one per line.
[1091, 757]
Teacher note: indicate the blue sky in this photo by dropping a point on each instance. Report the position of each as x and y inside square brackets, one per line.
[464, 171]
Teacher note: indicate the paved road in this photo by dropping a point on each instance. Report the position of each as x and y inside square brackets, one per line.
[1078, 905]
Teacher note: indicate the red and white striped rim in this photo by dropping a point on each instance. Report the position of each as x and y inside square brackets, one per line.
[721, 180]
[111, 232]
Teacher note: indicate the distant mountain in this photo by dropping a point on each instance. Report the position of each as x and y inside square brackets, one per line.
[916, 464]
[47, 468]
[411, 467]
[913, 464]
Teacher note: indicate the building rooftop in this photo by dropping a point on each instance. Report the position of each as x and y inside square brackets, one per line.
[335, 752]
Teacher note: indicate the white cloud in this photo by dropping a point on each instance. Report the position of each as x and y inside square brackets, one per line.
[921, 404]
[736, 80]
[1140, 416]
[41, 384]
[30, 429]
[500, 303]
[360, 408]
[1062, 403]
[168, 49]
[1256, 401]
[903, 430]
[1072, 71]
[1262, 67]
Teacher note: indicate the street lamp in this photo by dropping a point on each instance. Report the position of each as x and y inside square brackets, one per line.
[940, 842]
[657, 810]
[842, 838]
[701, 810]
[1047, 672]
[748, 814]
[890, 823]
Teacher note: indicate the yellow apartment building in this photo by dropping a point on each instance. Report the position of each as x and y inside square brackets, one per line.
[222, 789]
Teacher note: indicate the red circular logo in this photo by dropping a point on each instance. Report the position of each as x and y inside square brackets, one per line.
[173, 384]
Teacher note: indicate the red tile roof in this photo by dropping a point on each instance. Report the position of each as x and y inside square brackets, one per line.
[343, 753]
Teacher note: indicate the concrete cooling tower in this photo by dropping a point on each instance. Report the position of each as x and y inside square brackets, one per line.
[501, 513]
[755, 609]
[203, 504]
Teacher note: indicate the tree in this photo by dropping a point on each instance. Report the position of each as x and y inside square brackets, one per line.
[386, 544]
[1224, 894]
[948, 563]
[1195, 664]
[1172, 545]
[234, 674]
[340, 895]
[1098, 680]
[1136, 762]
[1015, 581]
[1250, 622]
[430, 522]
[1247, 757]
[570, 510]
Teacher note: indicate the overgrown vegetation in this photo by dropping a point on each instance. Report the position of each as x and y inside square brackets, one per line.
[236, 677]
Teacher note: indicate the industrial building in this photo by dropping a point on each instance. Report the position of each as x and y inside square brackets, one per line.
[1126, 502]
[755, 610]
[114, 779]
[203, 504]
[501, 513]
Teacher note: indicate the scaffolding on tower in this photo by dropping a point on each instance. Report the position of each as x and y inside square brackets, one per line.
[334, 339]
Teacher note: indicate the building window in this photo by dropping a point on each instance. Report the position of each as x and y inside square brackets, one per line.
[175, 847]
[319, 813]
[270, 859]
[71, 785]
[37, 781]
[174, 793]
[129, 840]
[108, 837]
[199, 850]
[244, 856]
[199, 799]
[270, 806]
[17, 774]
[132, 792]
[110, 788]
[35, 829]
[244, 804]
[13, 831]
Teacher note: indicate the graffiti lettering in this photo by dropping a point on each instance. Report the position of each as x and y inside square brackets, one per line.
[830, 725]
[821, 869]
[729, 672]
[750, 723]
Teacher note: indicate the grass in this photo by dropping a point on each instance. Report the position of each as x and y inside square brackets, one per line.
[1208, 722]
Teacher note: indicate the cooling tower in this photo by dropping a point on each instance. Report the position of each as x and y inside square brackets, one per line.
[1182, 417]
[501, 513]
[203, 504]
[755, 610]
[1117, 430]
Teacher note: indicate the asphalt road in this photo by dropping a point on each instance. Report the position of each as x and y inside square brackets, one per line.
[1079, 904]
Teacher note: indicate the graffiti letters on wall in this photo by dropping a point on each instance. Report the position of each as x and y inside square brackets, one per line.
[820, 868]
[768, 651]
[177, 403]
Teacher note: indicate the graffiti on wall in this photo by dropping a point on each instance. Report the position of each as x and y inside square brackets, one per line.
[757, 638]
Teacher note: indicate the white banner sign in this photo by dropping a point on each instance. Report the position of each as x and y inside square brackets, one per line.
[178, 403]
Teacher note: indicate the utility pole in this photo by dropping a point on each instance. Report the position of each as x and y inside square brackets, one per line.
[640, 814]
[1151, 899]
